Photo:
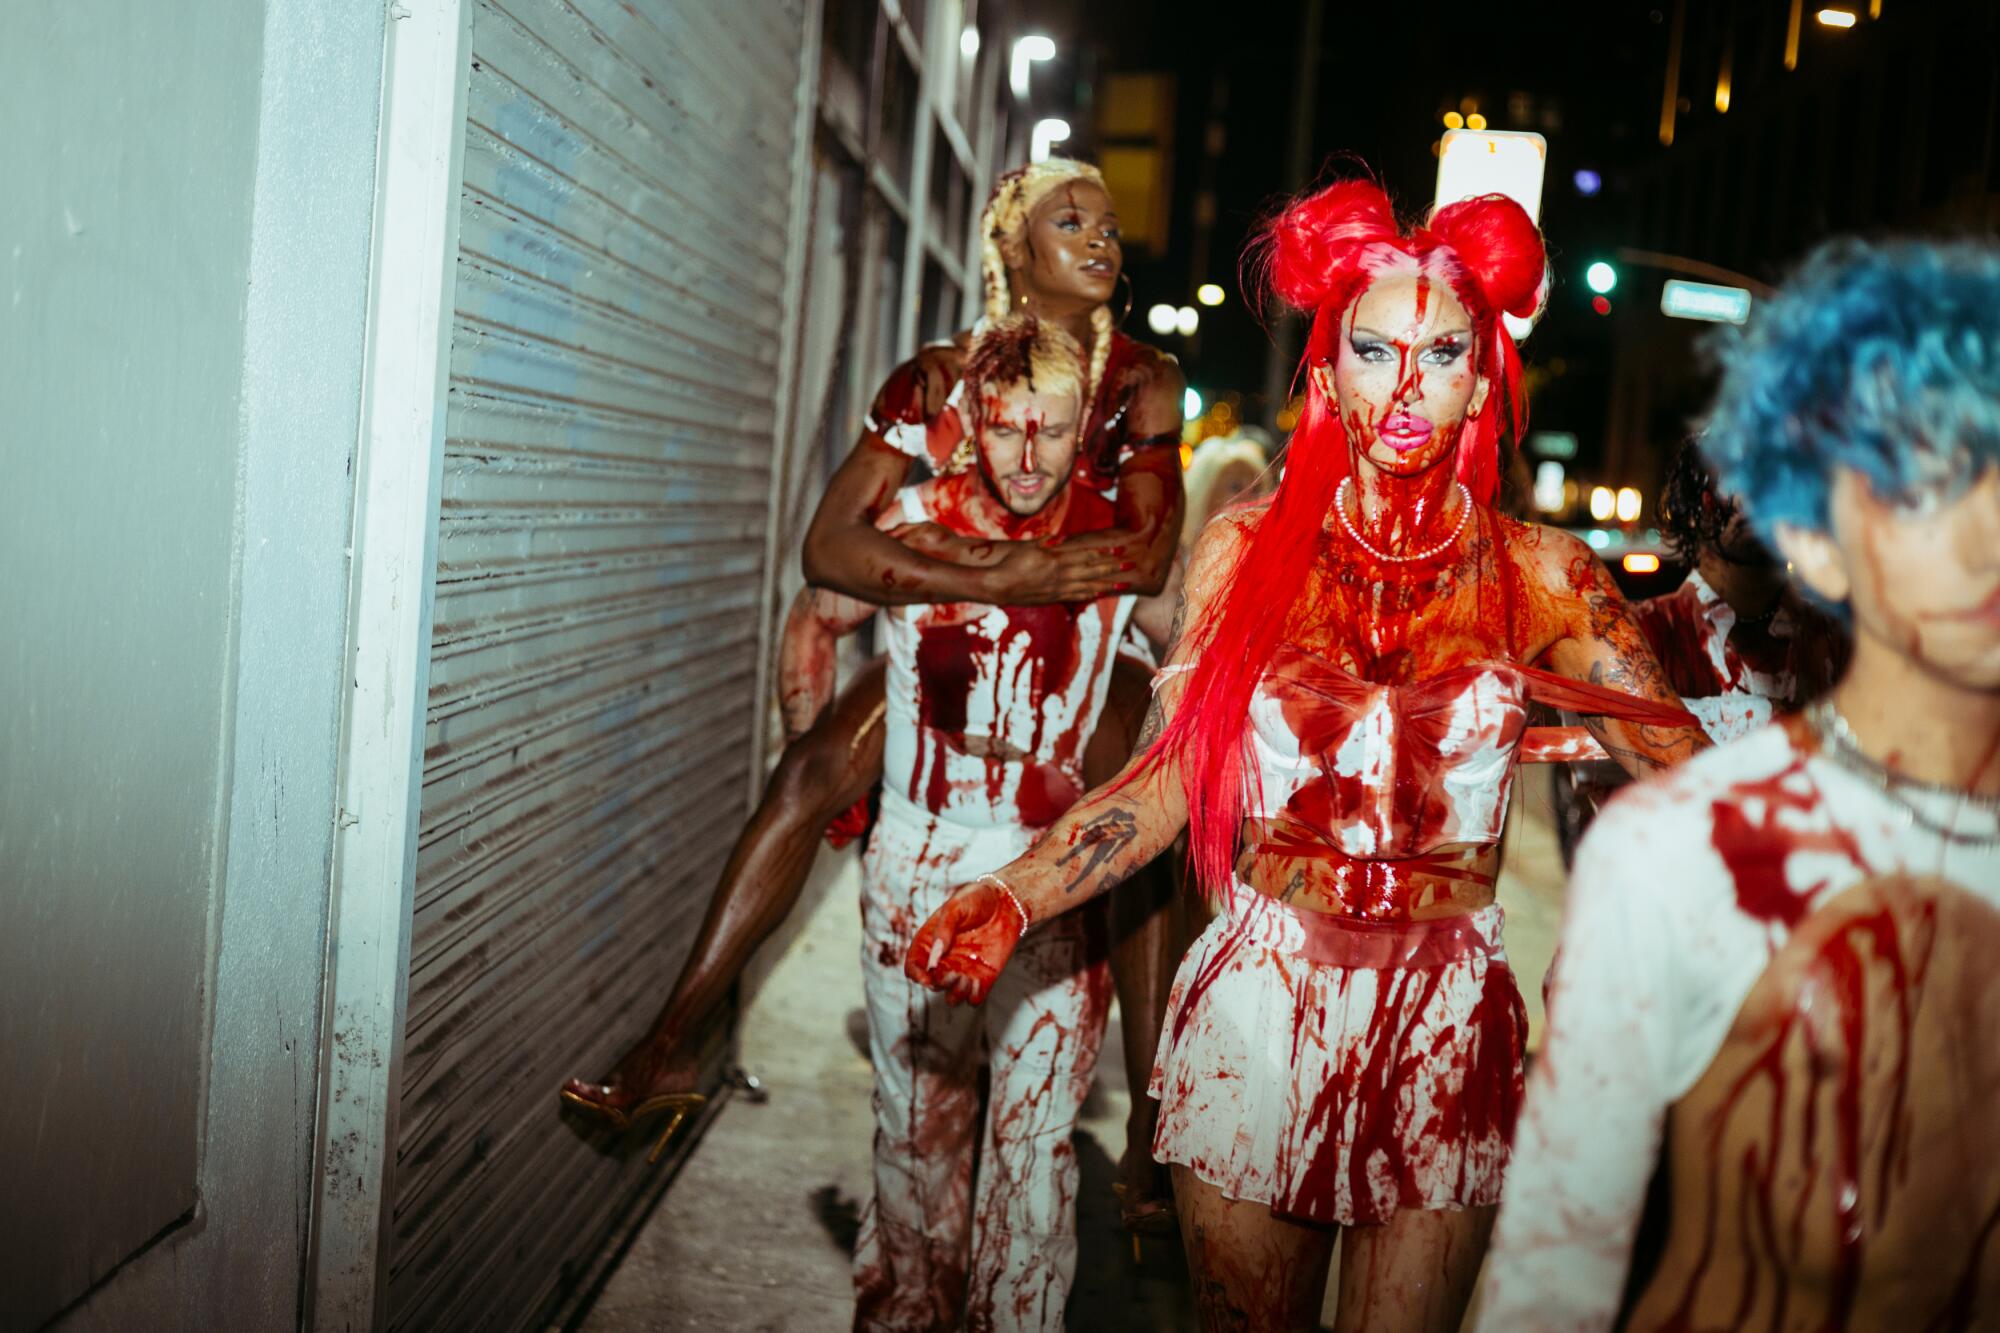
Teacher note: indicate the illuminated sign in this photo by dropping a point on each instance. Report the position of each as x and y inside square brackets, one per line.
[1476, 162]
[1704, 300]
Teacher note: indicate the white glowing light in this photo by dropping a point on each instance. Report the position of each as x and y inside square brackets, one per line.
[1602, 503]
[1600, 277]
[1836, 18]
[1598, 538]
[968, 42]
[1642, 562]
[1549, 478]
[1208, 294]
[1027, 51]
[1187, 319]
[1161, 318]
[1191, 405]
[1045, 135]
[1628, 504]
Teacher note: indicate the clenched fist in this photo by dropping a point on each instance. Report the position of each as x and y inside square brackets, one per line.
[961, 949]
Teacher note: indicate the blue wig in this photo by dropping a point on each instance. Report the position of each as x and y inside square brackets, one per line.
[1880, 358]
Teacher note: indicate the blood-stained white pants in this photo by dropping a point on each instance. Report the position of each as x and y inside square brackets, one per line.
[937, 1250]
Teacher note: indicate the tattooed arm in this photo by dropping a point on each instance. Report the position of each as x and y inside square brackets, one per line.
[1593, 637]
[1106, 836]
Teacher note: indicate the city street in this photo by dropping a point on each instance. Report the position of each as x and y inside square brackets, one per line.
[756, 1231]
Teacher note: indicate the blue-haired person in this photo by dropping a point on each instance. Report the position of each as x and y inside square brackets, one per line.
[1780, 995]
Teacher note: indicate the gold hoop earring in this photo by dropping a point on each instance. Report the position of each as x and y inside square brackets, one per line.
[1118, 320]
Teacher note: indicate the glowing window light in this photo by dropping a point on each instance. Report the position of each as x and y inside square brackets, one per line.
[1835, 18]
[1161, 318]
[1046, 135]
[1187, 319]
[1641, 562]
[1628, 504]
[1603, 502]
[1209, 293]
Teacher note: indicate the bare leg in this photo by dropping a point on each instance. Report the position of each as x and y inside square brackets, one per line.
[821, 774]
[1251, 1271]
[1414, 1273]
[1143, 956]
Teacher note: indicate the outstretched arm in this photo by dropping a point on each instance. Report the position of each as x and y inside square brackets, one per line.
[1106, 836]
[817, 621]
[1600, 642]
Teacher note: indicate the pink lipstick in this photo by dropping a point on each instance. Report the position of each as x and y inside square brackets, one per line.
[1403, 432]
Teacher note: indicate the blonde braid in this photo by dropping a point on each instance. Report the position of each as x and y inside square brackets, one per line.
[1101, 331]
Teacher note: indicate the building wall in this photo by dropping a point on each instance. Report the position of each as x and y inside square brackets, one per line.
[187, 274]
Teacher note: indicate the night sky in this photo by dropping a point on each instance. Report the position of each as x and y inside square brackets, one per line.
[1386, 74]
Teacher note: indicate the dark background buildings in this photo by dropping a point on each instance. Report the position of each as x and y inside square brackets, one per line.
[1727, 136]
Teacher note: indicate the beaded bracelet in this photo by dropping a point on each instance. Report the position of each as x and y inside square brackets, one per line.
[1002, 885]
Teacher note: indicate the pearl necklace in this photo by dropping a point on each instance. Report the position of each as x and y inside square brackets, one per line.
[1340, 512]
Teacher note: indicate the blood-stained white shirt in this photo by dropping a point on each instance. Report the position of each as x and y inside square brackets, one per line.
[1680, 896]
[990, 708]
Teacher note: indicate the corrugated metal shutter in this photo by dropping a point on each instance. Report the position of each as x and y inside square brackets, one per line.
[600, 560]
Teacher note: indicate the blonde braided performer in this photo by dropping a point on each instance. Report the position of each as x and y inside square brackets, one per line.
[1001, 229]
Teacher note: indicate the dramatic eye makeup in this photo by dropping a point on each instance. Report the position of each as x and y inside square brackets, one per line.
[1373, 349]
[1445, 350]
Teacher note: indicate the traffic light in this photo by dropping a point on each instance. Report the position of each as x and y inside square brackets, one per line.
[1600, 277]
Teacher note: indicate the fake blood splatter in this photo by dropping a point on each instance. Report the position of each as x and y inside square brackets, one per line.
[1819, 1037]
[1759, 832]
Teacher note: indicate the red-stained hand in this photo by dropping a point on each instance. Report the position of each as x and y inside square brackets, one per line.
[964, 945]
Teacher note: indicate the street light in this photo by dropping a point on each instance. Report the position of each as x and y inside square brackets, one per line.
[1628, 504]
[1027, 51]
[1191, 405]
[1600, 277]
[1161, 318]
[1208, 294]
[1602, 502]
[1187, 319]
[1045, 135]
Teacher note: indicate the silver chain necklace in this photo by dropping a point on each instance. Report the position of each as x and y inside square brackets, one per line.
[1843, 748]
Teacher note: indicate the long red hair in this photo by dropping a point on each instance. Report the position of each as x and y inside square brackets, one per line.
[1318, 256]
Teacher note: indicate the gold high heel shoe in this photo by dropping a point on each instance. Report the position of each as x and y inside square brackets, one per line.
[675, 1105]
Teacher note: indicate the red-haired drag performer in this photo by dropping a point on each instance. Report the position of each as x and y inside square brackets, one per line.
[1338, 729]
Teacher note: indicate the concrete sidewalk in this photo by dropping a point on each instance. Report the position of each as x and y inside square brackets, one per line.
[757, 1231]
